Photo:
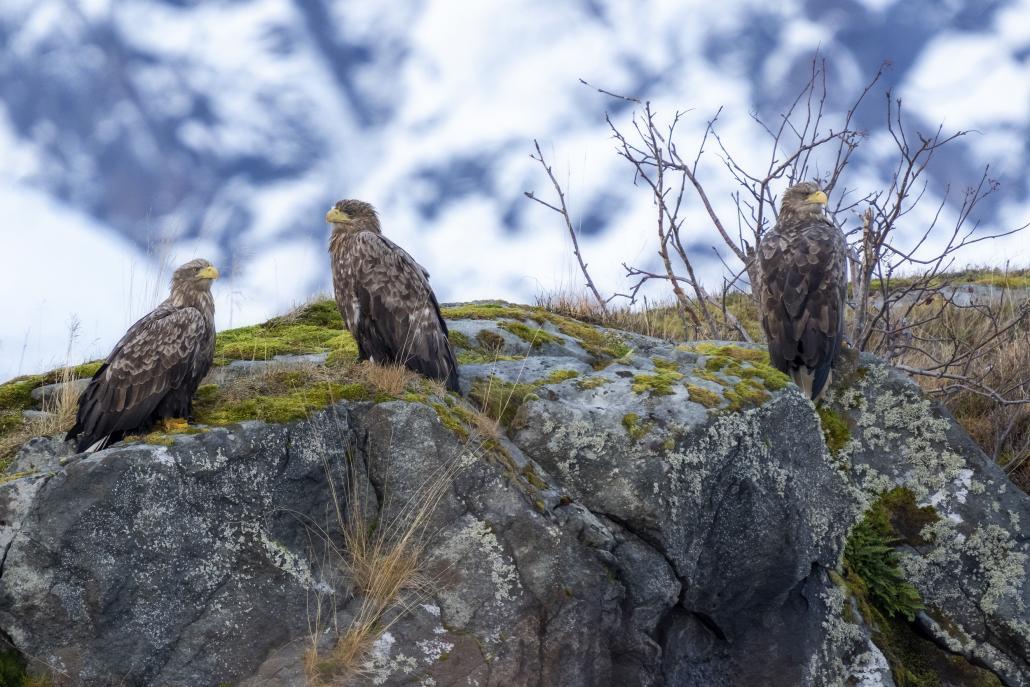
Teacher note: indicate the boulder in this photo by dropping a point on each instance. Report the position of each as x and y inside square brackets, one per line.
[648, 514]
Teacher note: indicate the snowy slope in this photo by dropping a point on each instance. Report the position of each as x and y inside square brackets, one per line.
[142, 132]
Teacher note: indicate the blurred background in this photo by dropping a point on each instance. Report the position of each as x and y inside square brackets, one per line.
[138, 134]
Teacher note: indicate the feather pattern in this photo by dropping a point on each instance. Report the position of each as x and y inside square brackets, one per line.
[803, 285]
[387, 303]
[154, 369]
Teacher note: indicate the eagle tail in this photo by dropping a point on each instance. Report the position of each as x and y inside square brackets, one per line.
[813, 382]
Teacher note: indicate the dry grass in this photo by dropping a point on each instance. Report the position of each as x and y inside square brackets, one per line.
[391, 379]
[386, 563]
[659, 319]
[59, 415]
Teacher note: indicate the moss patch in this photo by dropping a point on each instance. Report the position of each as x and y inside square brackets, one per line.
[534, 336]
[489, 311]
[658, 384]
[458, 339]
[747, 393]
[835, 428]
[592, 382]
[314, 328]
[500, 400]
[706, 397]
[213, 407]
[634, 427]
[737, 361]
[604, 346]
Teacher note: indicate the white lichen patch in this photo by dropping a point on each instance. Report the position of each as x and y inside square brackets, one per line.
[381, 664]
[477, 541]
[904, 424]
[988, 552]
[433, 649]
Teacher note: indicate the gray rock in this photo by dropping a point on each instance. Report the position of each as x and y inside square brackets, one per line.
[628, 530]
[47, 393]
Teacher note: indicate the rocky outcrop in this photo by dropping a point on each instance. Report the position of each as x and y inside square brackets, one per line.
[652, 514]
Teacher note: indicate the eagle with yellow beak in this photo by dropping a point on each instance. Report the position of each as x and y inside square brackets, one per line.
[153, 372]
[803, 284]
[384, 296]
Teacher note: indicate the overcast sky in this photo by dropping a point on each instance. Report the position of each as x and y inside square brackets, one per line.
[143, 133]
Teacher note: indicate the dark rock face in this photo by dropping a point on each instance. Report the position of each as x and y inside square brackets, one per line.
[623, 533]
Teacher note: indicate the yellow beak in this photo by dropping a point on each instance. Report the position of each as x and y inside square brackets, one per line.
[335, 215]
[818, 197]
[208, 272]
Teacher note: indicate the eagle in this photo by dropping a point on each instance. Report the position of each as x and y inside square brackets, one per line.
[384, 296]
[154, 370]
[802, 286]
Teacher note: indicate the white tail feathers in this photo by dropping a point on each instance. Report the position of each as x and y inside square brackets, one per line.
[805, 379]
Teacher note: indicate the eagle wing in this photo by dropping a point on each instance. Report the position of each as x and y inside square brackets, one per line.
[163, 356]
[803, 287]
[388, 305]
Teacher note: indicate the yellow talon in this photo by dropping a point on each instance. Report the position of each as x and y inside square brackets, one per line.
[173, 424]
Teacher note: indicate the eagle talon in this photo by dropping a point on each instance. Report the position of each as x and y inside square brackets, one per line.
[173, 424]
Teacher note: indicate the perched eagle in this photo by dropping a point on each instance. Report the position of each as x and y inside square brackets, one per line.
[384, 296]
[803, 283]
[154, 370]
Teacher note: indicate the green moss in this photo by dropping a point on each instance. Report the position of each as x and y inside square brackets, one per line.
[485, 349]
[534, 336]
[658, 384]
[706, 397]
[836, 432]
[664, 364]
[737, 361]
[747, 393]
[530, 475]
[490, 340]
[604, 346]
[488, 311]
[452, 420]
[12, 668]
[634, 427]
[213, 408]
[738, 353]
[458, 339]
[315, 328]
[1015, 279]
[592, 382]
[17, 393]
[500, 400]
[898, 513]
[559, 376]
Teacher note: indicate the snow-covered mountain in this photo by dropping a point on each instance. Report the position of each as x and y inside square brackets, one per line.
[136, 134]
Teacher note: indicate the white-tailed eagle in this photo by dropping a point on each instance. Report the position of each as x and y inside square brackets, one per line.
[384, 296]
[803, 284]
[153, 372]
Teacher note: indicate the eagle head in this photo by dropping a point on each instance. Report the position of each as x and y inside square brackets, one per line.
[352, 216]
[804, 200]
[197, 273]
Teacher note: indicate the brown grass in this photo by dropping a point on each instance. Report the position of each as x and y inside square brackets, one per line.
[59, 409]
[386, 564]
[392, 379]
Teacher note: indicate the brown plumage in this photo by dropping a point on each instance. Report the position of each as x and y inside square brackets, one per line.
[384, 296]
[803, 283]
[153, 372]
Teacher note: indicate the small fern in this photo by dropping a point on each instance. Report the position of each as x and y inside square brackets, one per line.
[871, 556]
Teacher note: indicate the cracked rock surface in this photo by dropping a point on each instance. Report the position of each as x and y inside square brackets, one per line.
[644, 520]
